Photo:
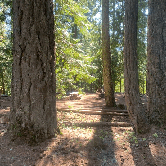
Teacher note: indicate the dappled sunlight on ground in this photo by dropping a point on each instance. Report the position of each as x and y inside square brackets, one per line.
[158, 150]
[123, 152]
[68, 148]
[85, 102]
[86, 139]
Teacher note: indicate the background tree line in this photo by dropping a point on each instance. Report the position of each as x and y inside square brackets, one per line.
[78, 45]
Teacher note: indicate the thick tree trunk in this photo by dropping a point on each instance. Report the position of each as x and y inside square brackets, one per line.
[156, 81]
[33, 111]
[133, 100]
[106, 55]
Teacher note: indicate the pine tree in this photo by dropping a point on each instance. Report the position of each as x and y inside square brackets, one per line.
[106, 56]
[156, 81]
[33, 111]
[132, 97]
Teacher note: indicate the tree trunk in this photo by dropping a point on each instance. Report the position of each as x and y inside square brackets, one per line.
[133, 100]
[3, 84]
[106, 55]
[156, 81]
[75, 31]
[74, 28]
[143, 86]
[33, 111]
[120, 85]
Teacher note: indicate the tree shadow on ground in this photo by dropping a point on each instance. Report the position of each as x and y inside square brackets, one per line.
[72, 150]
[140, 146]
[142, 154]
[149, 149]
[101, 147]
[98, 151]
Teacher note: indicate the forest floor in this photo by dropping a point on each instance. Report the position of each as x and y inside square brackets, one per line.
[87, 137]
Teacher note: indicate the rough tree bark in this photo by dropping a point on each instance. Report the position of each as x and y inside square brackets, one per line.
[156, 81]
[33, 111]
[133, 100]
[106, 56]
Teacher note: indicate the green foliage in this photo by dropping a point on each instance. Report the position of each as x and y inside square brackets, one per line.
[117, 32]
[155, 135]
[142, 44]
[78, 56]
[73, 55]
[117, 45]
[5, 47]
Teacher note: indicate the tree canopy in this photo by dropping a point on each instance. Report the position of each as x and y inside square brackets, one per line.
[78, 45]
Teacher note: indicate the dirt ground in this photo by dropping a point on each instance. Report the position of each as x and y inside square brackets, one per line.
[89, 136]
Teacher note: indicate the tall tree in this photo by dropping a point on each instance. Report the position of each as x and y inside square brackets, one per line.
[156, 82]
[133, 100]
[106, 56]
[33, 111]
